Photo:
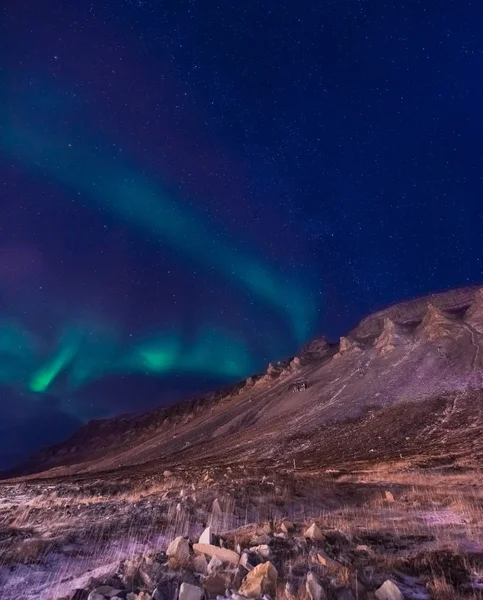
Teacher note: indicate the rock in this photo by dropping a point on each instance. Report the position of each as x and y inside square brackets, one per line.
[214, 564]
[347, 346]
[200, 565]
[363, 548]
[167, 591]
[268, 528]
[179, 549]
[299, 385]
[214, 585]
[261, 580]
[287, 526]
[392, 335]
[436, 324]
[225, 555]
[107, 591]
[314, 533]
[290, 590]
[95, 596]
[167, 474]
[205, 537]
[129, 572]
[190, 592]
[389, 591]
[263, 550]
[313, 587]
[249, 560]
[388, 496]
[326, 561]
[315, 350]
[258, 540]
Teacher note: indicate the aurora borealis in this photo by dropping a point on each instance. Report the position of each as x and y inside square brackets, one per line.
[192, 191]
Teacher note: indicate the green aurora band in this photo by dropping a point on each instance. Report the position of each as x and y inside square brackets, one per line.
[131, 197]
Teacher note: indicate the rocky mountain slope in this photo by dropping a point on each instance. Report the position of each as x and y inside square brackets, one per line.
[349, 472]
[411, 373]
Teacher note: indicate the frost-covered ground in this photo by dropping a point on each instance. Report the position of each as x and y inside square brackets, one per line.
[425, 532]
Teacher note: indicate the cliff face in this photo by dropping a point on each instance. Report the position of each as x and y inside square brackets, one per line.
[414, 352]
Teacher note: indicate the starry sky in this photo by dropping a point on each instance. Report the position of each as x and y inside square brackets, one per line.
[192, 189]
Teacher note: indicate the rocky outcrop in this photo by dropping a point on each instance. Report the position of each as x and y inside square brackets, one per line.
[392, 335]
[314, 351]
[347, 346]
[413, 311]
[435, 325]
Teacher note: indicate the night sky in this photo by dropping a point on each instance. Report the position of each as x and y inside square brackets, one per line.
[192, 189]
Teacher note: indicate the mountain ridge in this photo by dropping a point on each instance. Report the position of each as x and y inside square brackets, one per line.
[411, 351]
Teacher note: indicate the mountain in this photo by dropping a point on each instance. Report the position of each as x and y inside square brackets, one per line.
[350, 471]
[414, 368]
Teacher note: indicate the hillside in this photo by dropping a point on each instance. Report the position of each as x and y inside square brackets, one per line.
[424, 350]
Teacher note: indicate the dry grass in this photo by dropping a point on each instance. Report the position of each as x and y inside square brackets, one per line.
[425, 532]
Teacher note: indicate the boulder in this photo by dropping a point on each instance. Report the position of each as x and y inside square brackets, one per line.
[129, 572]
[263, 550]
[179, 549]
[389, 591]
[261, 580]
[200, 564]
[249, 560]
[286, 526]
[326, 561]
[206, 537]
[314, 590]
[258, 540]
[314, 533]
[388, 496]
[190, 592]
[225, 555]
[214, 564]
